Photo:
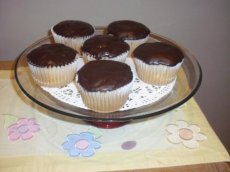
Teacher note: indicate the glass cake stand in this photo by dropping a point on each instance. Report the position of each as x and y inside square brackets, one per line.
[187, 83]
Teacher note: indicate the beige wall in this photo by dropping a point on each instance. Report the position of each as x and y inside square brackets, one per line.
[202, 26]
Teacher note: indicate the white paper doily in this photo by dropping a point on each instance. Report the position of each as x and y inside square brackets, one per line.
[141, 94]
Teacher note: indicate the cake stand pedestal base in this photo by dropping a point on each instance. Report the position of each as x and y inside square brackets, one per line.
[107, 124]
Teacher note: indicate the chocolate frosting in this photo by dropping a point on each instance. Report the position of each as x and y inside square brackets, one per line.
[73, 28]
[108, 46]
[104, 75]
[128, 30]
[158, 53]
[49, 55]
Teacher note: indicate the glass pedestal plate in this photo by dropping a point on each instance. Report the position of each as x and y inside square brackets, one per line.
[187, 84]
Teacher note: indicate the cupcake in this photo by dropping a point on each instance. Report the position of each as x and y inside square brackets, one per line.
[132, 32]
[105, 47]
[53, 65]
[104, 85]
[157, 63]
[72, 33]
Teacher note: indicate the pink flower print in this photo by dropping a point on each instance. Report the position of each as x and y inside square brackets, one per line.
[24, 128]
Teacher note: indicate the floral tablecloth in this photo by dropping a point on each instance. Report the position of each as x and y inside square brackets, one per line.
[35, 139]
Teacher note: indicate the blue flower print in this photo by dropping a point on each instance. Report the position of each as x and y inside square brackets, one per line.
[83, 144]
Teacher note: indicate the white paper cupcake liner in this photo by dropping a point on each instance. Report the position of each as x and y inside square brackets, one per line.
[54, 76]
[133, 44]
[156, 74]
[142, 94]
[105, 102]
[121, 58]
[75, 43]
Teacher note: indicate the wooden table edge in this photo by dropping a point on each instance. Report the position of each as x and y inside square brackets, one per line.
[7, 65]
[204, 167]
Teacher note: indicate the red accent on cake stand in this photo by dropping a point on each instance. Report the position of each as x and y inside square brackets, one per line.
[108, 124]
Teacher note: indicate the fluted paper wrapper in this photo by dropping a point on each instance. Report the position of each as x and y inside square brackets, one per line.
[54, 76]
[121, 58]
[156, 74]
[75, 43]
[105, 102]
[133, 44]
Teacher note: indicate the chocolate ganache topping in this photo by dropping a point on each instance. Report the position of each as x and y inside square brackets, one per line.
[128, 30]
[73, 28]
[159, 53]
[108, 46]
[49, 55]
[104, 75]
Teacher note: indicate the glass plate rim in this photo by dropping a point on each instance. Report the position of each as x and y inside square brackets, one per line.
[104, 119]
